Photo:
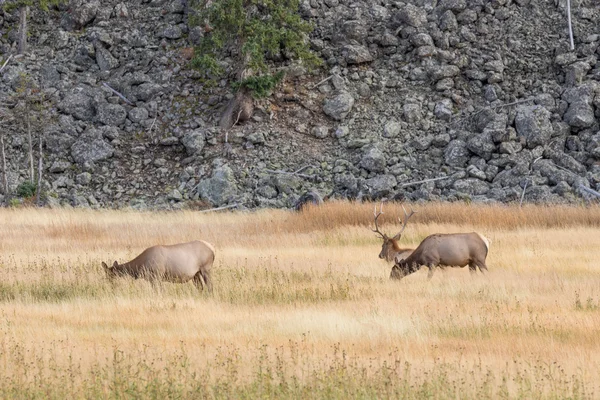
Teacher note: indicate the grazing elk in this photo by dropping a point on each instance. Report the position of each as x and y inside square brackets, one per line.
[445, 250]
[177, 263]
[390, 250]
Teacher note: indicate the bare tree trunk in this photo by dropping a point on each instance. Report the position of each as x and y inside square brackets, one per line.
[4, 175]
[38, 188]
[23, 11]
[30, 139]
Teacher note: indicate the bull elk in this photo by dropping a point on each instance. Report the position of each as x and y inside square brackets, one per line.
[176, 263]
[390, 250]
[445, 250]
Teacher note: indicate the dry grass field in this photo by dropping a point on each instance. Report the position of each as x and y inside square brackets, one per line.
[302, 307]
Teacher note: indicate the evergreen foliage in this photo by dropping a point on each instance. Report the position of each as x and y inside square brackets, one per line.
[253, 30]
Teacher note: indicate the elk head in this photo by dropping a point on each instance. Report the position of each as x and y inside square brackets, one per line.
[111, 272]
[390, 244]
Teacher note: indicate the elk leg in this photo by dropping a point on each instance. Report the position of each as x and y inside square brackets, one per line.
[472, 268]
[482, 267]
[430, 273]
[198, 281]
[207, 280]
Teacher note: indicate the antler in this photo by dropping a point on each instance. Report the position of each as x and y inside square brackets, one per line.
[406, 218]
[376, 215]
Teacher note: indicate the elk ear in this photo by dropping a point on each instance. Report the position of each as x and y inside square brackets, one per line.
[105, 266]
[115, 264]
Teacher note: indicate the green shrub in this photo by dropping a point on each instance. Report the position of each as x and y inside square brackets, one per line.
[26, 189]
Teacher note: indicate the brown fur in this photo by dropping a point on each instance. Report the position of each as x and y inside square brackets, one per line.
[390, 250]
[175, 263]
[445, 250]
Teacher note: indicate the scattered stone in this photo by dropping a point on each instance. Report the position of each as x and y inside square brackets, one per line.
[194, 141]
[339, 106]
[533, 124]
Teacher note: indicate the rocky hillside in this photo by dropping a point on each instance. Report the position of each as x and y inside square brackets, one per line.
[480, 99]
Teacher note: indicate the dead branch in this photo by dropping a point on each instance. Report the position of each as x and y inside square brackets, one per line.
[220, 208]
[425, 181]
[290, 173]
[5, 62]
[4, 170]
[38, 188]
[118, 94]
[590, 191]
[570, 26]
[322, 82]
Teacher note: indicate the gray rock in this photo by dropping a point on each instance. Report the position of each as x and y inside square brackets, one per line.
[194, 141]
[267, 191]
[411, 15]
[172, 32]
[555, 175]
[565, 161]
[373, 160]
[533, 123]
[320, 132]
[422, 143]
[49, 75]
[381, 185]
[448, 21]
[256, 137]
[454, 5]
[412, 113]
[91, 147]
[421, 39]
[175, 195]
[339, 106]
[475, 172]
[79, 105]
[444, 71]
[111, 114]
[482, 145]
[105, 59]
[287, 184]
[345, 181]
[391, 129]
[220, 189]
[356, 54]
[169, 141]
[580, 115]
[443, 110]
[57, 142]
[59, 166]
[146, 91]
[138, 114]
[471, 186]
[84, 178]
[457, 153]
[82, 12]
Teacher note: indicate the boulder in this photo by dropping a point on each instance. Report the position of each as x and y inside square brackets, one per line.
[533, 124]
[373, 160]
[339, 106]
[220, 189]
[91, 147]
[111, 114]
[194, 141]
[457, 153]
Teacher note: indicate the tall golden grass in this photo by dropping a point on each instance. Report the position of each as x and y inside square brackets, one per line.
[302, 307]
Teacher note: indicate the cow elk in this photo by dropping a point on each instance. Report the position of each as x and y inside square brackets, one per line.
[176, 263]
[445, 250]
[390, 250]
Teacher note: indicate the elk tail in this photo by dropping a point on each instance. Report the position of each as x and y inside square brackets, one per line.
[486, 241]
